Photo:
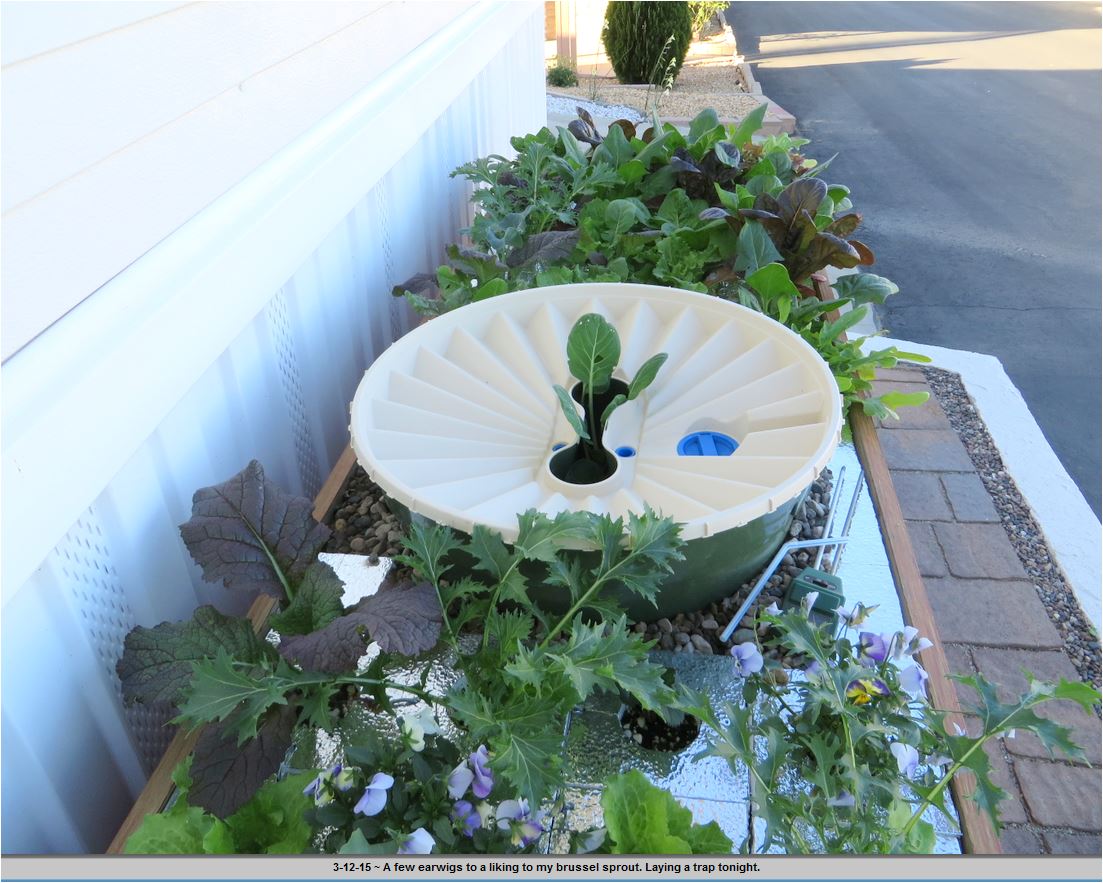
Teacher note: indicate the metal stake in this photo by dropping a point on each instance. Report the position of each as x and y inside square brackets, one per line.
[769, 571]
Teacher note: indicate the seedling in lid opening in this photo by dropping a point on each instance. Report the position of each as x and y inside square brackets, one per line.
[593, 352]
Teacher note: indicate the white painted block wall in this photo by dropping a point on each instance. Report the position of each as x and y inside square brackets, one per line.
[241, 334]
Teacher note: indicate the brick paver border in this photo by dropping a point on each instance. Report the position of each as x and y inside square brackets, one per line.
[992, 621]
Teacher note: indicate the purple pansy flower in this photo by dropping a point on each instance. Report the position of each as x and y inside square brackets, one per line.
[513, 815]
[773, 609]
[459, 780]
[483, 783]
[747, 659]
[466, 814]
[321, 789]
[813, 668]
[374, 797]
[862, 691]
[914, 679]
[872, 648]
[845, 799]
[907, 758]
[420, 842]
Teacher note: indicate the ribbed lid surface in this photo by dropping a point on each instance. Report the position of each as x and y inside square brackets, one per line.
[458, 420]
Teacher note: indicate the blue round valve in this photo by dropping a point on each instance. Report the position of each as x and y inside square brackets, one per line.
[559, 446]
[625, 451]
[707, 444]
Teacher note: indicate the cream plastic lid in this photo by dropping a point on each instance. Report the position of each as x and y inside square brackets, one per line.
[458, 419]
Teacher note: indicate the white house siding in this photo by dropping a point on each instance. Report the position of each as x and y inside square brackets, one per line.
[174, 346]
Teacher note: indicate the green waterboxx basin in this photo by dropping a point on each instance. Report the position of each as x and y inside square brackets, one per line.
[457, 422]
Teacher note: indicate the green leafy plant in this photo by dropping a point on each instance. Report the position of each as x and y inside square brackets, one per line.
[562, 75]
[642, 819]
[702, 11]
[536, 661]
[272, 821]
[640, 36]
[532, 664]
[711, 210]
[593, 352]
[852, 757]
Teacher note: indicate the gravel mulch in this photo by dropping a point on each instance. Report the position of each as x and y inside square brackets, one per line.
[699, 631]
[1081, 643]
[700, 85]
[361, 522]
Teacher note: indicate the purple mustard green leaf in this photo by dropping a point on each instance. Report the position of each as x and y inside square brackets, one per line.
[251, 536]
[225, 775]
[404, 620]
[803, 194]
[156, 665]
[549, 247]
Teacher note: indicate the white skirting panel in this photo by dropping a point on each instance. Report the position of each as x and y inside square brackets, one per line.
[243, 335]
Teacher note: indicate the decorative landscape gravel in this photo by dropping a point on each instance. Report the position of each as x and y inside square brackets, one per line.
[561, 105]
[1081, 643]
[707, 79]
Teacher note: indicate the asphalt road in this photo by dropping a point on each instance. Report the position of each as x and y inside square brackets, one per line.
[969, 134]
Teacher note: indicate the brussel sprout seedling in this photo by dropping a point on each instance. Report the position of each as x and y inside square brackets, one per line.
[593, 353]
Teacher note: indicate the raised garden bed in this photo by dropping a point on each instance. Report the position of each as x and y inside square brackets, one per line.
[470, 663]
[600, 720]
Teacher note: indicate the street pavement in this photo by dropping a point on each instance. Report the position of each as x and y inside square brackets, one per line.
[969, 134]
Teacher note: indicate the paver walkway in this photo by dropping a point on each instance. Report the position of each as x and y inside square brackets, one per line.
[991, 621]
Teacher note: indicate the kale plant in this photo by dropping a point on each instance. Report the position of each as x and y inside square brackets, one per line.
[593, 352]
[850, 756]
[711, 210]
[531, 666]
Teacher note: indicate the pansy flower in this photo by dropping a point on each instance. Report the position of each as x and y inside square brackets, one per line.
[420, 842]
[514, 815]
[910, 643]
[747, 659]
[862, 691]
[856, 616]
[872, 648]
[466, 815]
[914, 679]
[907, 758]
[483, 782]
[474, 773]
[321, 788]
[374, 797]
[417, 726]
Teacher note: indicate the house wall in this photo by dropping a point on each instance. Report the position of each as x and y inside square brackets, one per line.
[205, 209]
[578, 25]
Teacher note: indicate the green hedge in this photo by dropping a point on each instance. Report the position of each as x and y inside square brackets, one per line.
[647, 41]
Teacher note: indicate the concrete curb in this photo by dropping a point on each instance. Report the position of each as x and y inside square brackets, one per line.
[1068, 522]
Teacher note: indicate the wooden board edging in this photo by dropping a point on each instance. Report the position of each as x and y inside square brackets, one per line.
[978, 835]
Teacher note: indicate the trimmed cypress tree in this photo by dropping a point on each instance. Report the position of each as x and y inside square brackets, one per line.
[643, 38]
